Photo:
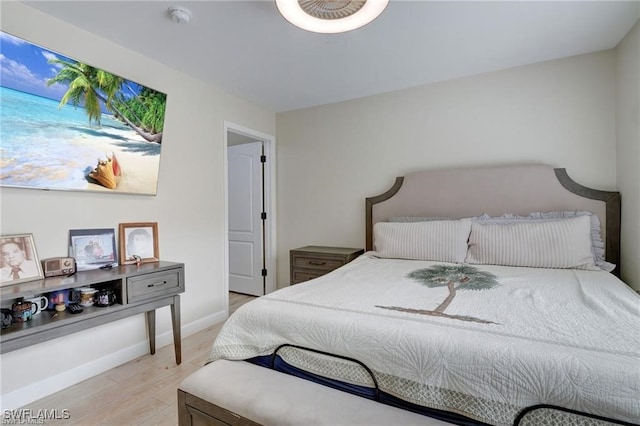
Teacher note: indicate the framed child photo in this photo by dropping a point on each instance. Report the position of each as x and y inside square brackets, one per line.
[18, 259]
[92, 248]
[138, 243]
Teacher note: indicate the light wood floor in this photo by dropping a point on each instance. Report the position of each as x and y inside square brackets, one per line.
[140, 392]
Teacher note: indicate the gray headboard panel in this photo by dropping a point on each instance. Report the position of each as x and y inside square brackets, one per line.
[520, 189]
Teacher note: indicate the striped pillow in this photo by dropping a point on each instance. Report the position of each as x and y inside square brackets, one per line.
[597, 245]
[561, 243]
[439, 240]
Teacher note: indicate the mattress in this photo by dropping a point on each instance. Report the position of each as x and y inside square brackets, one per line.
[497, 340]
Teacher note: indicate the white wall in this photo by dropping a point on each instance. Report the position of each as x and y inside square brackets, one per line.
[189, 209]
[628, 151]
[331, 157]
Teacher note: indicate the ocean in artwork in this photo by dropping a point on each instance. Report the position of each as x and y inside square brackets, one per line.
[45, 146]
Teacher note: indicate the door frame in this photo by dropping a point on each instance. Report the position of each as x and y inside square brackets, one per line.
[269, 200]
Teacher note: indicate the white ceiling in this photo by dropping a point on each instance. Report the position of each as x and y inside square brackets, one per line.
[248, 49]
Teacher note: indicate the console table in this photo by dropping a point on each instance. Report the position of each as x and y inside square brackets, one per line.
[138, 289]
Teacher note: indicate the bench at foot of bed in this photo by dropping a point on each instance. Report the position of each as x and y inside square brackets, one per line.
[239, 393]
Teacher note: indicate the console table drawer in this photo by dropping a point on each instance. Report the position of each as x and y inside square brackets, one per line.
[152, 285]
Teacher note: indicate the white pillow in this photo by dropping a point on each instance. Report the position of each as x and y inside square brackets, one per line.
[597, 245]
[438, 240]
[561, 243]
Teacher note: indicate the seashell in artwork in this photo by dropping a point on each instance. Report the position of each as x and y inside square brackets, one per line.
[114, 163]
[103, 174]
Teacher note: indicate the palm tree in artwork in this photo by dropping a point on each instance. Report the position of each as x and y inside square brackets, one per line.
[454, 277]
[89, 86]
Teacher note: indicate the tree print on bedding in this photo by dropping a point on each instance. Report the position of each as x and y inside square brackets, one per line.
[454, 277]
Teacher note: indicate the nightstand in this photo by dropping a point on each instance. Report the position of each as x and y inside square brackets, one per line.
[313, 261]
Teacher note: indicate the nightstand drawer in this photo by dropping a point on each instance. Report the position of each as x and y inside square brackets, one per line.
[316, 262]
[148, 286]
[299, 276]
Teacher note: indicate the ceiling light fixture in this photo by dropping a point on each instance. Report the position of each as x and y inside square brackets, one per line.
[330, 16]
[179, 15]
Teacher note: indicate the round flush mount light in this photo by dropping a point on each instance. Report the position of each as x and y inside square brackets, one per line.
[330, 16]
[179, 15]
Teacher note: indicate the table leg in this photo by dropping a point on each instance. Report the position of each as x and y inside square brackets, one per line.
[175, 322]
[151, 327]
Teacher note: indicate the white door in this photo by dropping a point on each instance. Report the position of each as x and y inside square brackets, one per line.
[246, 259]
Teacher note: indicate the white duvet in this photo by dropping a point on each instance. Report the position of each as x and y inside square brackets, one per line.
[536, 336]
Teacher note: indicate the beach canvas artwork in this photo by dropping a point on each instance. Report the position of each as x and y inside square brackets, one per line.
[65, 125]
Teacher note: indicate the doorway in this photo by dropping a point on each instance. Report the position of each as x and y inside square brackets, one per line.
[250, 216]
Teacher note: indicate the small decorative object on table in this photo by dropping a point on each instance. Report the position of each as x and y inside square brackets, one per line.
[74, 308]
[7, 317]
[87, 296]
[22, 310]
[105, 297]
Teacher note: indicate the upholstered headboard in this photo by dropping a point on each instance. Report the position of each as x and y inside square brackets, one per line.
[522, 189]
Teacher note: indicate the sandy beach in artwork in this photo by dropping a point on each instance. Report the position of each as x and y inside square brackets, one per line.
[139, 163]
[48, 147]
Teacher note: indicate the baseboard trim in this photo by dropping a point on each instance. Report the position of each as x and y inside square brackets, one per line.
[198, 325]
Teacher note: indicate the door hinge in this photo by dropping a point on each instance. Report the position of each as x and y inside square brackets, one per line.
[263, 158]
[263, 215]
[264, 272]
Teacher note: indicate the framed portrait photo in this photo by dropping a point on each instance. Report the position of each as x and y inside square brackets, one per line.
[92, 248]
[18, 259]
[138, 243]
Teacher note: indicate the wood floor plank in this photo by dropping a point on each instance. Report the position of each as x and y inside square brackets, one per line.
[135, 413]
[77, 392]
[166, 417]
[140, 392]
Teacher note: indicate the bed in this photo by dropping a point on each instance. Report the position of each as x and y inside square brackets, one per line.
[486, 296]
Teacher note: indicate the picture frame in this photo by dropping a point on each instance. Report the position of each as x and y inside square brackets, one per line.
[18, 259]
[138, 243]
[126, 136]
[92, 248]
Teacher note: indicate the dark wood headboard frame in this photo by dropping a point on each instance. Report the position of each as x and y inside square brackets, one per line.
[610, 223]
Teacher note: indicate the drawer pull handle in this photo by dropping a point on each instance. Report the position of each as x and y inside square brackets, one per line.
[315, 262]
[151, 285]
